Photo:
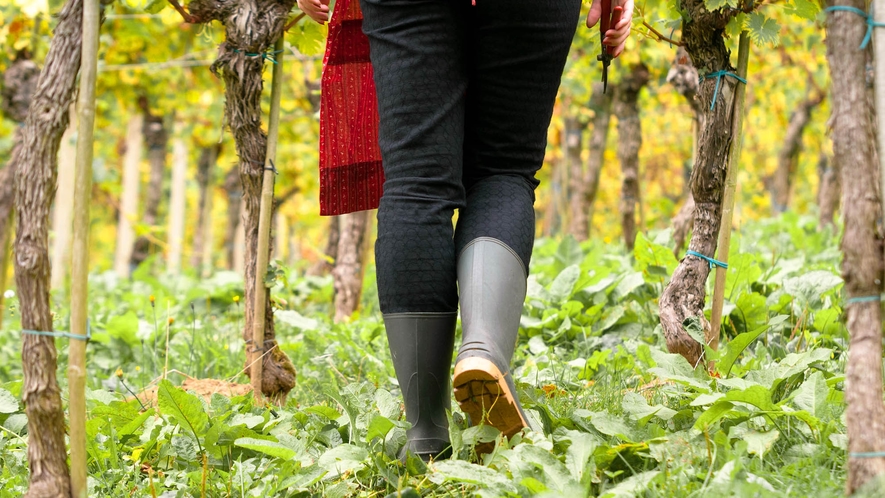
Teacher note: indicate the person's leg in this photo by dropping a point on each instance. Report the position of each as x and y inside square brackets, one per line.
[416, 49]
[518, 48]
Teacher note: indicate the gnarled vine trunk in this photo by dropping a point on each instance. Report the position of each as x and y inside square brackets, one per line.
[156, 138]
[601, 105]
[251, 29]
[36, 161]
[350, 264]
[201, 256]
[788, 156]
[629, 143]
[19, 82]
[862, 267]
[234, 190]
[683, 298]
[684, 78]
[578, 210]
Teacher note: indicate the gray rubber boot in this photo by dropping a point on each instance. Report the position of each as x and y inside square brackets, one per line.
[421, 345]
[492, 287]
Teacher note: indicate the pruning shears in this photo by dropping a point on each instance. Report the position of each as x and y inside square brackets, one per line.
[611, 14]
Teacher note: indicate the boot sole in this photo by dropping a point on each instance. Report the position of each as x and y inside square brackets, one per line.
[484, 395]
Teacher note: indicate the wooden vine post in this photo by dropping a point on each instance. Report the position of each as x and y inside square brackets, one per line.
[734, 159]
[703, 37]
[250, 31]
[852, 126]
[264, 222]
[80, 249]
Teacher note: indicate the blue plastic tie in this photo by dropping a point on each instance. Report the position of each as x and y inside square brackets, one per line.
[69, 335]
[871, 454]
[868, 17]
[713, 262]
[268, 56]
[863, 299]
[718, 75]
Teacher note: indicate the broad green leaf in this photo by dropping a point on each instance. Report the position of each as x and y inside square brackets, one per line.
[465, 472]
[308, 37]
[185, 447]
[154, 6]
[736, 346]
[629, 283]
[674, 367]
[8, 403]
[718, 4]
[577, 457]
[806, 9]
[324, 411]
[388, 405]
[271, 448]
[758, 443]
[633, 485]
[343, 458]
[712, 414]
[556, 476]
[648, 255]
[294, 319]
[637, 407]
[562, 286]
[811, 396]
[124, 327]
[611, 425]
[184, 407]
[763, 30]
[378, 427]
[750, 312]
[812, 285]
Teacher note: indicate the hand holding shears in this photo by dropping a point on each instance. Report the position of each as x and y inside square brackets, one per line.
[614, 17]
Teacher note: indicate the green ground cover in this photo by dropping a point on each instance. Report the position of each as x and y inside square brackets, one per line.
[614, 414]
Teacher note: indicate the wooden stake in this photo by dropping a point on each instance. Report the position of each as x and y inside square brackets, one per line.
[63, 210]
[879, 79]
[80, 249]
[178, 201]
[129, 196]
[734, 159]
[264, 223]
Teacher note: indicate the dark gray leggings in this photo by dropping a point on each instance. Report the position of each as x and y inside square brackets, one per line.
[465, 96]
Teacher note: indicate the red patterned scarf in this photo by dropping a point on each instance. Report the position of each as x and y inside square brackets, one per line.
[351, 177]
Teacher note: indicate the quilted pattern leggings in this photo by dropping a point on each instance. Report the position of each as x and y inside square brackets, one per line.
[465, 96]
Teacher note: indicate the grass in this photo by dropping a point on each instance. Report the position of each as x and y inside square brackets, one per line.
[613, 414]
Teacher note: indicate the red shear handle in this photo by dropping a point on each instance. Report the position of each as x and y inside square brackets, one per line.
[615, 16]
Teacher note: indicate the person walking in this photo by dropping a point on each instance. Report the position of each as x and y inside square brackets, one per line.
[465, 94]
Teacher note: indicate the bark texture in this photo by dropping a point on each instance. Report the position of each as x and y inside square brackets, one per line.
[330, 253]
[348, 272]
[584, 191]
[19, 82]
[862, 265]
[234, 190]
[629, 143]
[35, 185]
[156, 138]
[251, 27]
[683, 298]
[574, 141]
[788, 156]
[684, 78]
[205, 180]
[829, 190]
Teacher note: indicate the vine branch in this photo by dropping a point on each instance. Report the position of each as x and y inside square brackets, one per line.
[661, 37]
[188, 18]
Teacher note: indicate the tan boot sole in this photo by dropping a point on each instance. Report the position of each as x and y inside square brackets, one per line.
[483, 394]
